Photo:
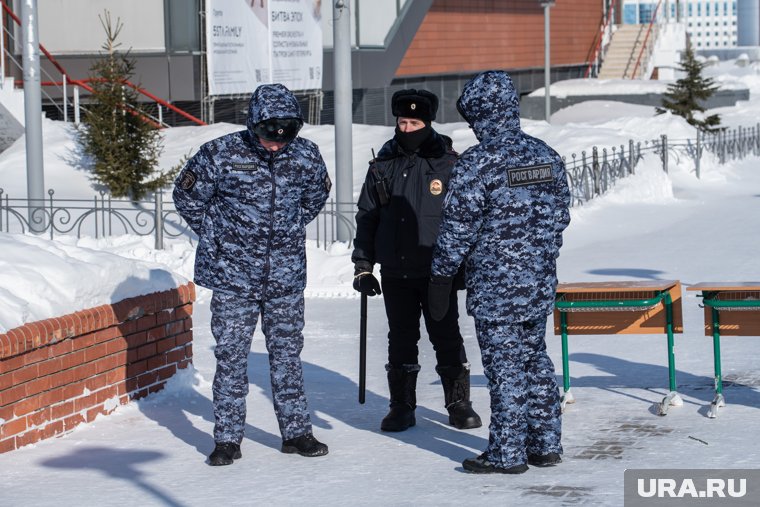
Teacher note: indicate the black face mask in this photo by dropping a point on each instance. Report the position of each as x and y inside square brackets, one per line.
[280, 130]
[411, 141]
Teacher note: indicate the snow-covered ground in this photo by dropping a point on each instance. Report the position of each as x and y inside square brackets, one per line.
[651, 226]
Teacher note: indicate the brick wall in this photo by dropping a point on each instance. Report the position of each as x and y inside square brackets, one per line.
[468, 36]
[58, 373]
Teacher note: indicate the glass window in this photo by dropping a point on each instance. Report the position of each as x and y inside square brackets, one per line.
[182, 26]
[645, 13]
[629, 15]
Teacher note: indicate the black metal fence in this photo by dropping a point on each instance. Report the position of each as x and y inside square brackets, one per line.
[104, 216]
[593, 173]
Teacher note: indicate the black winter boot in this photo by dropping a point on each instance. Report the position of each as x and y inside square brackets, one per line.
[544, 460]
[481, 465]
[224, 454]
[402, 382]
[305, 445]
[456, 391]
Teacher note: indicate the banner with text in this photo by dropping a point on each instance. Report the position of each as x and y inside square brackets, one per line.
[250, 42]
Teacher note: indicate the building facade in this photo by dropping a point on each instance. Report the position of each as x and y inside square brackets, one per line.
[711, 24]
[432, 44]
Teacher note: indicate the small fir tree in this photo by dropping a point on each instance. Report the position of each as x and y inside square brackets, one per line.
[686, 96]
[116, 131]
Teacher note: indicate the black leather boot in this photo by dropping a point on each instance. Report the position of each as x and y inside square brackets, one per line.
[402, 382]
[456, 392]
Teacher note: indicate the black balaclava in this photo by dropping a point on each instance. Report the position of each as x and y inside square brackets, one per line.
[411, 141]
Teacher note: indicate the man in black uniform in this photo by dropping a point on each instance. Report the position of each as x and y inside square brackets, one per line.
[396, 227]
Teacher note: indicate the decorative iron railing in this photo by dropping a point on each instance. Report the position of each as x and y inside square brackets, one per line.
[104, 216]
[591, 175]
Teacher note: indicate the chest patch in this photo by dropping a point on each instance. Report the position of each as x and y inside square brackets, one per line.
[244, 166]
[531, 175]
[436, 187]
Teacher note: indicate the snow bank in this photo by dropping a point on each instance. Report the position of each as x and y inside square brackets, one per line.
[40, 278]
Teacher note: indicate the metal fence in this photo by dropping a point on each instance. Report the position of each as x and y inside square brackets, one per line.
[104, 216]
[590, 174]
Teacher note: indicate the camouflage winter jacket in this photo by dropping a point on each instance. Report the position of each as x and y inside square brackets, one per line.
[250, 206]
[505, 211]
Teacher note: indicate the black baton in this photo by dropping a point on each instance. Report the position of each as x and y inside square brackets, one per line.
[363, 349]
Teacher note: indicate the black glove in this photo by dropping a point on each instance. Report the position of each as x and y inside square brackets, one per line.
[364, 281]
[439, 291]
[459, 281]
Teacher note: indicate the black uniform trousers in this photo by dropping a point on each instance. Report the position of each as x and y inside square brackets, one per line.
[405, 300]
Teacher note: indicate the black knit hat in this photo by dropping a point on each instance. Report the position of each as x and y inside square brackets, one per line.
[419, 104]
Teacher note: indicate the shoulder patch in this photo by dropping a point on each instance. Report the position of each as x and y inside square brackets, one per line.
[188, 179]
[530, 175]
[328, 183]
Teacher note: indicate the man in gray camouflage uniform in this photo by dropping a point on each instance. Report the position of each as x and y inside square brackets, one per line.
[503, 217]
[249, 195]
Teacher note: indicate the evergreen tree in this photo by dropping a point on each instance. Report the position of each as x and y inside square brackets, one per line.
[686, 96]
[116, 131]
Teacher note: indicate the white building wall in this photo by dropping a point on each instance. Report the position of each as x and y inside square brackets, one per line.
[710, 24]
[73, 26]
[748, 14]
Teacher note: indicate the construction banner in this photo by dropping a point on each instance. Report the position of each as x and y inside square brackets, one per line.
[251, 42]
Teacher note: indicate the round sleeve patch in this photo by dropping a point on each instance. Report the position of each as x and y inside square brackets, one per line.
[188, 179]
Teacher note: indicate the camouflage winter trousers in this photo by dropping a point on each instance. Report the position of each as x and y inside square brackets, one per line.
[525, 403]
[233, 321]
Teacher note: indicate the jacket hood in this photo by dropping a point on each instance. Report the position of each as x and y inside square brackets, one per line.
[490, 104]
[272, 101]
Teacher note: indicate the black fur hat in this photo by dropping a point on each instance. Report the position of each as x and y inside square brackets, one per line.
[420, 104]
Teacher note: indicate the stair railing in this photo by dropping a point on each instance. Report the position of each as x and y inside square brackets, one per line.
[647, 46]
[600, 40]
[14, 63]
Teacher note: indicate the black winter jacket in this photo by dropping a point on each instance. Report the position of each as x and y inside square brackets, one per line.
[400, 234]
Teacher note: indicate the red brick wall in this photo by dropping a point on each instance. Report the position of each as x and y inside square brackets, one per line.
[467, 36]
[58, 373]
